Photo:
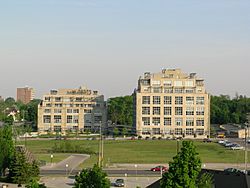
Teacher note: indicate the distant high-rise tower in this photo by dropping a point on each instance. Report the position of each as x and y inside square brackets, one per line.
[25, 94]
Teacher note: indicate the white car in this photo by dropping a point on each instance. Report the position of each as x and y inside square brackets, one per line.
[237, 147]
[222, 141]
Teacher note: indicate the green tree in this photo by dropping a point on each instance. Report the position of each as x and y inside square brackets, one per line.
[115, 132]
[184, 169]
[124, 131]
[34, 184]
[92, 178]
[205, 181]
[7, 148]
[21, 171]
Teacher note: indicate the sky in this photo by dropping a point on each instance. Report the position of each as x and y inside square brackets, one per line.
[107, 44]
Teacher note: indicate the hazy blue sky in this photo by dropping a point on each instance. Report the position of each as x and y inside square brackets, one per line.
[107, 44]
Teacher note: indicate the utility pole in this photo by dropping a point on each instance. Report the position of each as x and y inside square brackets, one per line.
[246, 127]
[100, 153]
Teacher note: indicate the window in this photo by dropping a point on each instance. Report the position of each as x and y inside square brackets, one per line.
[178, 90]
[167, 100]
[46, 110]
[178, 100]
[178, 131]
[189, 83]
[75, 111]
[69, 119]
[168, 90]
[200, 131]
[48, 105]
[178, 121]
[146, 100]
[146, 110]
[146, 120]
[167, 83]
[156, 89]
[156, 82]
[178, 111]
[156, 131]
[46, 119]
[69, 111]
[189, 131]
[47, 99]
[156, 121]
[189, 90]
[87, 111]
[58, 99]
[57, 119]
[78, 99]
[156, 100]
[200, 110]
[57, 128]
[178, 83]
[58, 105]
[200, 100]
[156, 110]
[190, 122]
[189, 100]
[75, 119]
[97, 118]
[189, 111]
[167, 121]
[146, 131]
[199, 122]
[57, 111]
[168, 111]
[145, 82]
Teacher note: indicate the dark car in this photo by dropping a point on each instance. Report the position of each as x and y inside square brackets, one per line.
[159, 168]
[119, 183]
[233, 171]
[207, 140]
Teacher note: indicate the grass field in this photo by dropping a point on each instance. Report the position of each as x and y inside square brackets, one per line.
[137, 151]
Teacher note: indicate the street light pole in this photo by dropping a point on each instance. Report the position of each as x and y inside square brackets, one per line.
[246, 127]
[66, 169]
[51, 158]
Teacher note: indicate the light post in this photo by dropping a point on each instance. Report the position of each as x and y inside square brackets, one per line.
[125, 179]
[66, 169]
[51, 158]
[136, 172]
[246, 135]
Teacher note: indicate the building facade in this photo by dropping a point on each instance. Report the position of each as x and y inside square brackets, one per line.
[172, 104]
[72, 110]
[25, 94]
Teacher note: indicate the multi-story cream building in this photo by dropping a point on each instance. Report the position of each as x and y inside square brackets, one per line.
[172, 104]
[25, 94]
[72, 109]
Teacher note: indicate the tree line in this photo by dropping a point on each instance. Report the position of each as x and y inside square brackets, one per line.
[223, 109]
[23, 112]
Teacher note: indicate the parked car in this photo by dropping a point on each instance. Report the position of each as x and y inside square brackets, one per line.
[237, 147]
[228, 144]
[222, 141]
[208, 140]
[159, 168]
[119, 183]
[233, 171]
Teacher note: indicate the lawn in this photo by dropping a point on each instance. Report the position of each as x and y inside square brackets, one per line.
[137, 151]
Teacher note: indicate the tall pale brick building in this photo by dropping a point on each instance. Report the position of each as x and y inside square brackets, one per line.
[72, 109]
[172, 104]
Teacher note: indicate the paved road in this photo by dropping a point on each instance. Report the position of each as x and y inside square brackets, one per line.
[69, 164]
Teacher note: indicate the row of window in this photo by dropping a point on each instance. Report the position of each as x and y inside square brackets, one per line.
[69, 111]
[69, 119]
[171, 90]
[168, 110]
[168, 121]
[176, 131]
[178, 83]
[168, 100]
[72, 105]
[71, 99]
